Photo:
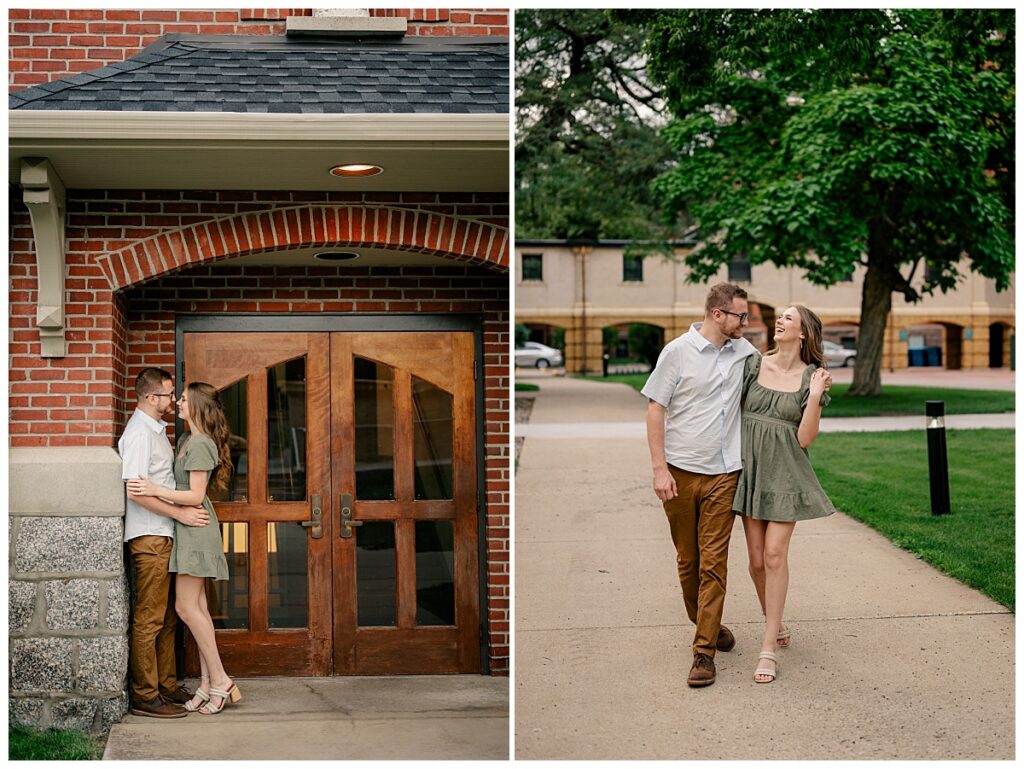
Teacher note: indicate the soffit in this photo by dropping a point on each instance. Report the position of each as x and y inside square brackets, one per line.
[114, 150]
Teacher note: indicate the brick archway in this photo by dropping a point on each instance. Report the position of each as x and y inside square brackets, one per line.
[458, 238]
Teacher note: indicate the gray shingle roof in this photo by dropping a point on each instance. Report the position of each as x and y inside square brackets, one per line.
[240, 73]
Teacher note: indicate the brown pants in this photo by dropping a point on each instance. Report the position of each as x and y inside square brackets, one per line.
[700, 518]
[151, 661]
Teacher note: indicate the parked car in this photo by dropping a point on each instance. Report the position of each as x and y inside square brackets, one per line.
[539, 355]
[838, 356]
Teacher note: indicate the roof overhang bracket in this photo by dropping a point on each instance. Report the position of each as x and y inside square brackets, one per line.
[45, 198]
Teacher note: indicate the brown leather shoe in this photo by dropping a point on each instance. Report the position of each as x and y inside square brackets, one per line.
[181, 695]
[157, 708]
[703, 671]
[726, 640]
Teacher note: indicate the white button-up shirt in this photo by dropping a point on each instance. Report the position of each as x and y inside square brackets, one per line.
[699, 385]
[145, 451]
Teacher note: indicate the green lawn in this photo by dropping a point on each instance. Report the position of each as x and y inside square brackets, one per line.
[33, 745]
[526, 387]
[894, 400]
[882, 480]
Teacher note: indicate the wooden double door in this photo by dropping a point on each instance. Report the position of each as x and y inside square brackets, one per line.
[350, 523]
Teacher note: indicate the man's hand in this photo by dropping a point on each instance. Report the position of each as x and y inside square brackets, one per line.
[192, 516]
[664, 484]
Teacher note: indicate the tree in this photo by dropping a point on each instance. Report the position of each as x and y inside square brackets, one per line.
[587, 130]
[825, 139]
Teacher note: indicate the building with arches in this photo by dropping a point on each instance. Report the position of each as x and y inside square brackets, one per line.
[583, 290]
[309, 211]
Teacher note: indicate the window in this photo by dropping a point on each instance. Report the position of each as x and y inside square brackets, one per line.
[632, 269]
[739, 269]
[533, 267]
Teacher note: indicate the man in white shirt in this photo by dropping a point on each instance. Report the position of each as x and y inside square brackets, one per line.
[149, 531]
[693, 432]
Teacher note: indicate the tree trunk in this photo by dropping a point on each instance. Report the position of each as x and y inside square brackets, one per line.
[876, 301]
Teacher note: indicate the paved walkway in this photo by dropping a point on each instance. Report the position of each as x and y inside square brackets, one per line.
[351, 718]
[889, 660]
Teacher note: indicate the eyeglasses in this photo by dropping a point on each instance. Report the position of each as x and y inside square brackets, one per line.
[164, 395]
[741, 315]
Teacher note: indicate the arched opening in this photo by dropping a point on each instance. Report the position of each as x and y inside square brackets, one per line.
[839, 343]
[998, 345]
[935, 345]
[632, 348]
[539, 345]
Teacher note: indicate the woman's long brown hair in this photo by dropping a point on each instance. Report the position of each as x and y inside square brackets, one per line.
[810, 349]
[207, 415]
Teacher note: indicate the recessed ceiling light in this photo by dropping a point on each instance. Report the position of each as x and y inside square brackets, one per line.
[356, 169]
[336, 256]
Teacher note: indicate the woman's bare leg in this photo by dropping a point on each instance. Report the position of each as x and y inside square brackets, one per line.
[192, 608]
[753, 532]
[776, 565]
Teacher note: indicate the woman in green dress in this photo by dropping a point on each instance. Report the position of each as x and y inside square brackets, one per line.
[203, 459]
[783, 393]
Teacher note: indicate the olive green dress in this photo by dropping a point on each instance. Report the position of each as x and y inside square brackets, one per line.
[777, 482]
[198, 550]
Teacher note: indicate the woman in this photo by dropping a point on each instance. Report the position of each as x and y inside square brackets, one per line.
[783, 395]
[203, 458]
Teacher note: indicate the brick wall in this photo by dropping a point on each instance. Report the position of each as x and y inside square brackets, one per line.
[47, 44]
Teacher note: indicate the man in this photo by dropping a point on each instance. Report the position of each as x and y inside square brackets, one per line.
[149, 531]
[693, 432]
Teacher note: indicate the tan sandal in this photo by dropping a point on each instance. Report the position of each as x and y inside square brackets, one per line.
[231, 695]
[765, 671]
[200, 694]
[782, 639]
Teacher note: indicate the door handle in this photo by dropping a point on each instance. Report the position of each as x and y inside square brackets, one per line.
[345, 530]
[316, 515]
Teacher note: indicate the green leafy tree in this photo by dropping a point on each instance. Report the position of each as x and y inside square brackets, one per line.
[587, 130]
[645, 342]
[826, 139]
[522, 334]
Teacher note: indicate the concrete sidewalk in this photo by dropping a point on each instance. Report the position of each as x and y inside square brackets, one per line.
[397, 717]
[889, 659]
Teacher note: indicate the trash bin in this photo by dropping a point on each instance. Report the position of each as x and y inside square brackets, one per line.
[934, 357]
[916, 357]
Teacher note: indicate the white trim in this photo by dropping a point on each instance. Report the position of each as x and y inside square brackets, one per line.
[199, 126]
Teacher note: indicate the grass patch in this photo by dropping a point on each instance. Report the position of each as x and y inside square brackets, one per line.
[895, 400]
[526, 387]
[34, 745]
[975, 543]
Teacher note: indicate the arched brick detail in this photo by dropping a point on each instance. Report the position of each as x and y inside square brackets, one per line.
[457, 238]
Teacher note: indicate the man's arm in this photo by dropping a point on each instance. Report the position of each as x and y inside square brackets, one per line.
[135, 457]
[664, 483]
[189, 516]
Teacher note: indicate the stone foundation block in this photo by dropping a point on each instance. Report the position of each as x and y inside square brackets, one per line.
[22, 606]
[26, 711]
[117, 603]
[78, 713]
[72, 604]
[102, 663]
[69, 545]
[112, 711]
[41, 664]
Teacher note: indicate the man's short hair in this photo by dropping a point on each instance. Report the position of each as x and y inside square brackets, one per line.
[721, 295]
[151, 380]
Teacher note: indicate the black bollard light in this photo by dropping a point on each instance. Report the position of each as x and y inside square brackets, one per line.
[938, 468]
[604, 364]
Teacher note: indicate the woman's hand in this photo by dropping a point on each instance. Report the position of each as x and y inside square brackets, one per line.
[143, 487]
[821, 382]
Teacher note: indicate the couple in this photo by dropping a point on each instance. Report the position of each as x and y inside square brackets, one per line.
[170, 527]
[694, 435]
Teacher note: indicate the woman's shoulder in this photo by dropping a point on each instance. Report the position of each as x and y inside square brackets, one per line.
[200, 442]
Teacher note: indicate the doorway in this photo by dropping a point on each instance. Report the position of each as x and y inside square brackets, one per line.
[351, 524]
